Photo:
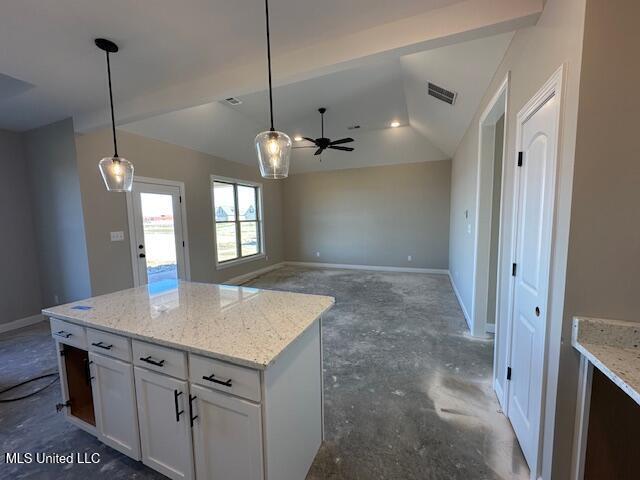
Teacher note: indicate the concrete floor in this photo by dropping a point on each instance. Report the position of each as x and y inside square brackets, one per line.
[407, 391]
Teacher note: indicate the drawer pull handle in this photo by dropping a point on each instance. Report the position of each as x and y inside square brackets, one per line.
[191, 416]
[176, 394]
[102, 345]
[211, 378]
[63, 334]
[157, 363]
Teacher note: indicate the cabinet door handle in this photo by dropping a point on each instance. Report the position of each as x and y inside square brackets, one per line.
[157, 363]
[102, 345]
[211, 378]
[192, 417]
[176, 394]
[63, 334]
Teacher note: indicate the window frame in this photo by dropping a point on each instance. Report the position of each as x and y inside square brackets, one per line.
[262, 250]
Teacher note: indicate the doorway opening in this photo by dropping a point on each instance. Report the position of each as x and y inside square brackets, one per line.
[157, 231]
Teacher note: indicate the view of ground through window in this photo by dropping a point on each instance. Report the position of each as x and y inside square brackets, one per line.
[227, 202]
[159, 236]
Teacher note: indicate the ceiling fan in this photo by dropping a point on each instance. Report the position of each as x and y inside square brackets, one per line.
[322, 143]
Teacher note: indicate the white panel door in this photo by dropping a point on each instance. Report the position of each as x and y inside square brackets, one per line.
[114, 402]
[165, 434]
[535, 192]
[158, 232]
[227, 435]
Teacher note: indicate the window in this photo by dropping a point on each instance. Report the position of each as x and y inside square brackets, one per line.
[237, 208]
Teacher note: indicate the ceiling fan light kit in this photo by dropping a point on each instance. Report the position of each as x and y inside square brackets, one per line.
[273, 147]
[117, 172]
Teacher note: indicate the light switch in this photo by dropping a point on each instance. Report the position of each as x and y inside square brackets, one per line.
[117, 236]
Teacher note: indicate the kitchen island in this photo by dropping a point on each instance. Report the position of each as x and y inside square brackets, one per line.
[197, 380]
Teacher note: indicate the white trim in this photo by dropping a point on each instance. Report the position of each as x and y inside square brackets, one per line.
[478, 325]
[462, 307]
[582, 418]
[240, 279]
[263, 242]
[375, 268]
[185, 229]
[490, 328]
[21, 322]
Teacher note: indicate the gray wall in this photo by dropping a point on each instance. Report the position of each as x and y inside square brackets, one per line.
[19, 279]
[534, 54]
[495, 220]
[603, 271]
[110, 262]
[57, 213]
[370, 216]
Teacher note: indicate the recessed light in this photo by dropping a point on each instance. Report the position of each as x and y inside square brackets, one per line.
[394, 124]
[297, 138]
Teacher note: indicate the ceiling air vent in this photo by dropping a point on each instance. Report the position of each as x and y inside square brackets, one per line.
[233, 101]
[442, 94]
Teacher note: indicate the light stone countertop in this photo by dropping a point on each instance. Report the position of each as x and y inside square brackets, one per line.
[613, 347]
[241, 325]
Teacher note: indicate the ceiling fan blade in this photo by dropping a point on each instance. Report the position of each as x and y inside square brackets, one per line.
[342, 140]
[309, 139]
[346, 149]
[319, 151]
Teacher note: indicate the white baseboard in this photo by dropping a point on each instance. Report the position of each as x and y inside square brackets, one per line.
[240, 279]
[22, 322]
[375, 268]
[467, 317]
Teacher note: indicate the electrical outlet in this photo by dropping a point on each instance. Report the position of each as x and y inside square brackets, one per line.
[468, 228]
[317, 254]
[117, 236]
[56, 298]
[409, 258]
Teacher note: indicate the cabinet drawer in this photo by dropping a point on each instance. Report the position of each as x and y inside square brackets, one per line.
[240, 381]
[68, 333]
[109, 344]
[160, 359]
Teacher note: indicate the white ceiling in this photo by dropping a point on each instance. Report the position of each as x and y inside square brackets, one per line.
[50, 44]
[178, 54]
[371, 96]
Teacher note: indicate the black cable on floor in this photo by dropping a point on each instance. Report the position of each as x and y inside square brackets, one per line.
[7, 400]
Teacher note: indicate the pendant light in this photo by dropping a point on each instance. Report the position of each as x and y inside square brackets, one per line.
[117, 172]
[273, 147]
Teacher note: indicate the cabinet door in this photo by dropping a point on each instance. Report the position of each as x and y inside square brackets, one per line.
[227, 435]
[165, 434]
[115, 404]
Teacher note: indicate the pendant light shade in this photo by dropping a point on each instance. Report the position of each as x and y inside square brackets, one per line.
[273, 147]
[274, 151]
[117, 172]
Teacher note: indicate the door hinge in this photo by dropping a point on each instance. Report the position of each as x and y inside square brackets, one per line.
[183, 244]
[508, 373]
[520, 155]
[180, 198]
[514, 267]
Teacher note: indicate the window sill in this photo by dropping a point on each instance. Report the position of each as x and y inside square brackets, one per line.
[239, 261]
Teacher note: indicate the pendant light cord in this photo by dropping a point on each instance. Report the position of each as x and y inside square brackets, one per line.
[113, 121]
[266, 7]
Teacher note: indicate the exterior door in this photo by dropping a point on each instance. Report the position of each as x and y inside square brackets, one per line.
[535, 184]
[227, 436]
[115, 404]
[158, 233]
[165, 434]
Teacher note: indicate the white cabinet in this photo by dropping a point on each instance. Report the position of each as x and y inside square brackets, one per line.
[165, 434]
[227, 436]
[114, 403]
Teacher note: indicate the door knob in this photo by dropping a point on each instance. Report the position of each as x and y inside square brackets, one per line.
[142, 255]
[537, 311]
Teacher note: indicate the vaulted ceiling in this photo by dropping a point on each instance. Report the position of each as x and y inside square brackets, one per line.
[371, 96]
[192, 52]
